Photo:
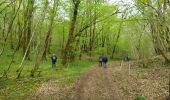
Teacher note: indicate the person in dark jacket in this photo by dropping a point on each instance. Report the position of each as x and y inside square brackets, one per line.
[126, 58]
[54, 60]
[105, 60]
[100, 60]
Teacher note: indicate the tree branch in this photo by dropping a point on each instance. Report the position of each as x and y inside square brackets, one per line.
[7, 6]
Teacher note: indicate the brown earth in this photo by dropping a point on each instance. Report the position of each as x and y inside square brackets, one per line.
[113, 83]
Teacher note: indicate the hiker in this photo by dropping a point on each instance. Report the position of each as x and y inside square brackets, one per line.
[100, 60]
[105, 60]
[54, 60]
[126, 58]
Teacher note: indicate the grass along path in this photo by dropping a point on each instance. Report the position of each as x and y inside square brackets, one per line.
[25, 87]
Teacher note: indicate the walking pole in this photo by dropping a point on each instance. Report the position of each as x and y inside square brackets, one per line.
[121, 64]
[169, 87]
[129, 67]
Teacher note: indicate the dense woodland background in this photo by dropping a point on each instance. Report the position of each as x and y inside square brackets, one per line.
[35, 29]
[79, 30]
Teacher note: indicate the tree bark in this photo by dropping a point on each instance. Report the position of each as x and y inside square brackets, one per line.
[117, 39]
[28, 27]
[68, 46]
[43, 52]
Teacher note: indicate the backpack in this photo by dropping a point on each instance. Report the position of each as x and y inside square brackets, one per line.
[100, 59]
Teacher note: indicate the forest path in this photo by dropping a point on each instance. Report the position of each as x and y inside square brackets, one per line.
[122, 81]
[111, 83]
[97, 84]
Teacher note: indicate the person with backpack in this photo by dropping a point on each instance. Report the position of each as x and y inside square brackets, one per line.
[105, 60]
[54, 60]
[126, 58]
[100, 60]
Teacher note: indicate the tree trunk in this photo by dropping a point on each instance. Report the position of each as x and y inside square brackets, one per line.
[68, 46]
[117, 39]
[42, 53]
[47, 39]
[28, 27]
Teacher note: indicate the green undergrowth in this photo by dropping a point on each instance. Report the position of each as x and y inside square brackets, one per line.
[140, 98]
[18, 89]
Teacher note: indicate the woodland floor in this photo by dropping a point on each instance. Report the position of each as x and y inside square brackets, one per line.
[112, 83]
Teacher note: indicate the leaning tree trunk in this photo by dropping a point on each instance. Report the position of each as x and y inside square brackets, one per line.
[28, 27]
[47, 39]
[43, 52]
[68, 46]
[117, 39]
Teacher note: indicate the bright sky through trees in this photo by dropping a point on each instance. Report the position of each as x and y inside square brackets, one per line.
[125, 1]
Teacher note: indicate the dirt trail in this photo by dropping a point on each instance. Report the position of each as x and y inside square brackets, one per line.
[96, 84]
[111, 83]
